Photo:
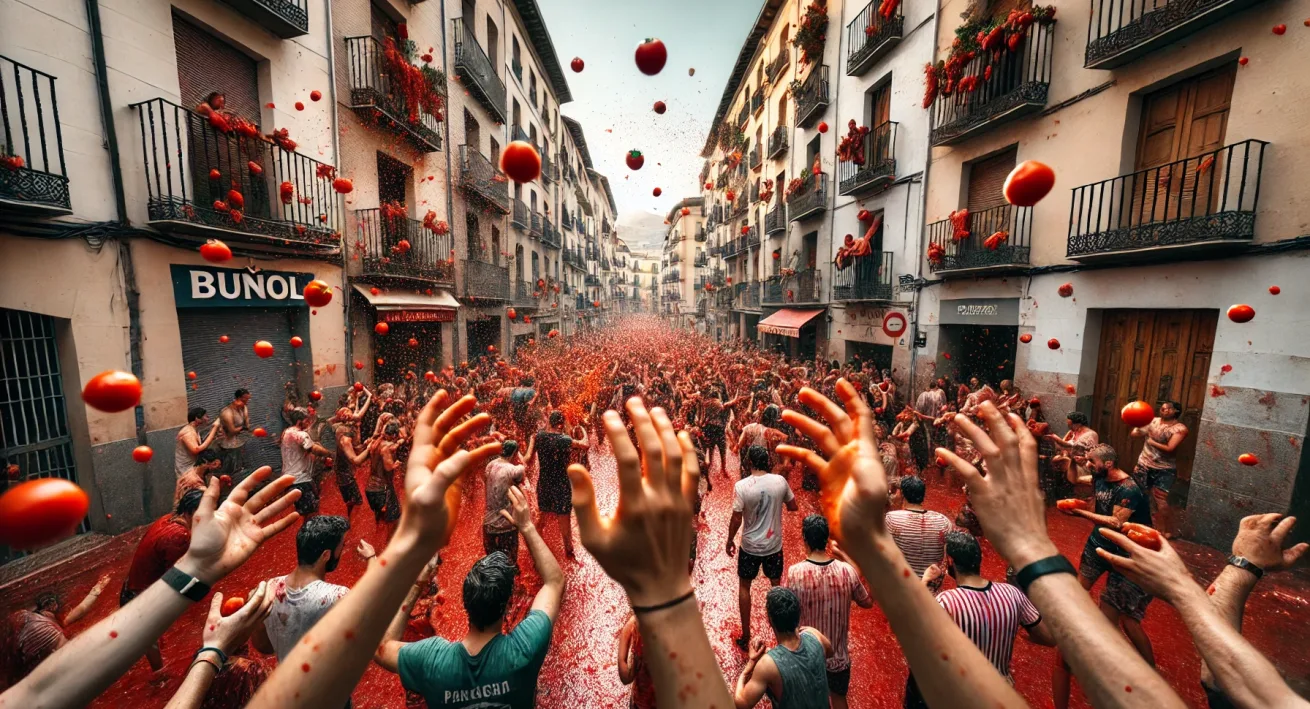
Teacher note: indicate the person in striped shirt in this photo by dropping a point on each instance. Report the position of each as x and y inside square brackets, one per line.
[989, 613]
[919, 533]
[826, 587]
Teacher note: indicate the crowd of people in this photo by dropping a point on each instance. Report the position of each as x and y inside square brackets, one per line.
[672, 409]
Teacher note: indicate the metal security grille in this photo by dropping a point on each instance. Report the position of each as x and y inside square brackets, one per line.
[33, 422]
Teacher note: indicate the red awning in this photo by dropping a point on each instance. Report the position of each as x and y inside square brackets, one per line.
[787, 322]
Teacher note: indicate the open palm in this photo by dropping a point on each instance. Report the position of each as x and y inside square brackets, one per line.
[437, 464]
[224, 535]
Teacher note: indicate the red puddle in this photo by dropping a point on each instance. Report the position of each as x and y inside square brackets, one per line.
[580, 669]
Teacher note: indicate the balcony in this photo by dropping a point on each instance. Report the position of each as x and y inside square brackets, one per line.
[799, 288]
[775, 221]
[870, 36]
[812, 97]
[757, 100]
[875, 167]
[811, 199]
[743, 115]
[757, 160]
[1120, 31]
[397, 247]
[865, 278]
[700, 260]
[778, 142]
[722, 181]
[524, 294]
[534, 226]
[547, 169]
[486, 281]
[1200, 206]
[742, 205]
[476, 72]
[700, 235]
[550, 235]
[482, 181]
[748, 295]
[182, 150]
[1018, 87]
[976, 252]
[376, 94]
[284, 18]
[731, 249]
[675, 258]
[778, 64]
[752, 238]
[33, 174]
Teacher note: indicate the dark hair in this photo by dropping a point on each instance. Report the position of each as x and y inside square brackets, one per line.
[195, 413]
[815, 531]
[509, 448]
[784, 609]
[913, 489]
[487, 589]
[392, 429]
[758, 457]
[296, 415]
[771, 415]
[1077, 417]
[1104, 453]
[47, 600]
[557, 418]
[207, 456]
[318, 534]
[1177, 406]
[527, 381]
[240, 393]
[189, 502]
[964, 551]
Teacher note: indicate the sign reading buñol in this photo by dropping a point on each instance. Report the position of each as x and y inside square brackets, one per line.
[210, 287]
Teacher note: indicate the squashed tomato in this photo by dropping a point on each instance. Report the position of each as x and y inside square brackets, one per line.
[1070, 504]
[1143, 535]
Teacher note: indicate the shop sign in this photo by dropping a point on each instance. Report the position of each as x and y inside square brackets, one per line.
[389, 316]
[210, 287]
[980, 311]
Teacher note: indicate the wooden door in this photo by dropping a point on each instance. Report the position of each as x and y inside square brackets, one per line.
[1153, 355]
[878, 145]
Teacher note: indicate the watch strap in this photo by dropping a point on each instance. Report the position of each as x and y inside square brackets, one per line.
[1242, 562]
[1050, 565]
[191, 588]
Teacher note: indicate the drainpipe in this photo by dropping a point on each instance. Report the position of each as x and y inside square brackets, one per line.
[923, 206]
[450, 199]
[336, 158]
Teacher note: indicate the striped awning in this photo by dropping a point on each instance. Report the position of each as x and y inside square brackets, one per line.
[787, 322]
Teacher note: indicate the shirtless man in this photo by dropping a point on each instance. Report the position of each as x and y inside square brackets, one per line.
[234, 419]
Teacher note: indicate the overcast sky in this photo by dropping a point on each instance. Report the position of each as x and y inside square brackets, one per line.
[612, 95]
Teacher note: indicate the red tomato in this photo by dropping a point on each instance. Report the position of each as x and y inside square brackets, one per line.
[359, 386]
[359, 364]
[259, 432]
[190, 375]
[1069, 389]
[381, 328]
[315, 95]
[264, 349]
[317, 293]
[1242, 60]
[225, 480]
[651, 56]
[1028, 183]
[1241, 313]
[13, 472]
[1275, 290]
[381, 361]
[1070, 504]
[660, 108]
[491, 348]
[223, 339]
[232, 605]
[657, 192]
[374, 291]
[1053, 343]
[1066, 290]
[235, 200]
[1280, 29]
[214, 174]
[343, 185]
[942, 462]
[635, 160]
[142, 454]
[412, 342]
[1143, 535]
[709, 186]
[39, 512]
[686, 211]
[512, 313]
[297, 342]
[316, 395]
[112, 391]
[1026, 338]
[823, 126]
[300, 105]
[255, 168]
[520, 161]
[1137, 414]
[1248, 459]
[215, 251]
[577, 64]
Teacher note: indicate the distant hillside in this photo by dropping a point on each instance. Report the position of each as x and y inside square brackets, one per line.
[642, 231]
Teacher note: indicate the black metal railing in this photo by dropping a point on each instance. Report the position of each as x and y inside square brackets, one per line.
[479, 178]
[779, 63]
[775, 221]
[1207, 198]
[752, 237]
[1120, 31]
[399, 247]
[870, 36]
[1018, 85]
[534, 226]
[743, 114]
[801, 287]
[477, 72]
[700, 260]
[550, 235]
[722, 180]
[875, 166]
[192, 167]
[486, 280]
[700, 234]
[524, 294]
[864, 278]
[1008, 228]
[376, 92]
[812, 97]
[778, 141]
[547, 168]
[32, 168]
[810, 199]
[284, 18]
[756, 159]
[675, 258]
[519, 217]
[743, 204]
[757, 99]
[730, 249]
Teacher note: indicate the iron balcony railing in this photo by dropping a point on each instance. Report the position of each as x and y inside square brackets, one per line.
[812, 98]
[779, 63]
[592, 279]
[700, 261]
[1008, 228]
[864, 278]
[482, 180]
[519, 134]
[757, 160]
[875, 167]
[870, 36]
[547, 168]
[810, 199]
[534, 227]
[1018, 86]
[1201, 202]
[752, 238]
[477, 72]
[757, 99]
[33, 173]
[775, 221]
[675, 257]
[750, 296]
[284, 18]
[778, 142]
[800, 288]
[524, 295]
[1120, 31]
[519, 218]
[487, 281]
[566, 220]
[743, 115]
[206, 175]
[399, 247]
[376, 93]
[731, 249]
[700, 234]
[550, 235]
[743, 204]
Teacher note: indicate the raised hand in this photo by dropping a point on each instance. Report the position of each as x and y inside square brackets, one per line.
[522, 513]
[1160, 573]
[224, 535]
[228, 634]
[1260, 540]
[645, 544]
[437, 463]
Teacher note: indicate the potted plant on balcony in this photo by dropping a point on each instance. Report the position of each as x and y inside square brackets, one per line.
[813, 32]
[992, 37]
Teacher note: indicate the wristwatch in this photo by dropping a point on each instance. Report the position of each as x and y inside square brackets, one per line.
[191, 588]
[1242, 562]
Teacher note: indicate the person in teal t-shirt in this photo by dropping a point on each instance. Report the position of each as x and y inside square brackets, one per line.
[487, 669]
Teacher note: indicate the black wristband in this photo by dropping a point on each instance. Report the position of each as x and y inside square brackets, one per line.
[1050, 565]
[667, 604]
[1242, 562]
[191, 588]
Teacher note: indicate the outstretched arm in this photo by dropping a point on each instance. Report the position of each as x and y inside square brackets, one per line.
[84, 607]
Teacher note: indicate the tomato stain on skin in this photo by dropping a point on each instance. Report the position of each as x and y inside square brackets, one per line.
[114, 633]
[304, 667]
[1128, 688]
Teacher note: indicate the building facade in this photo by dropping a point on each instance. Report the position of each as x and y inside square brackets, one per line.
[684, 265]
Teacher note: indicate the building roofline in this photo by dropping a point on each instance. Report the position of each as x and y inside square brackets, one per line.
[685, 202]
[535, 25]
[579, 139]
[609, 196]
[749, 47]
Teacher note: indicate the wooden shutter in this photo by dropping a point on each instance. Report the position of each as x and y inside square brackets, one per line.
[206, 64]
[986, 180]
[381, 25]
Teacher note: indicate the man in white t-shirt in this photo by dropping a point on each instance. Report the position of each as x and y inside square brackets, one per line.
[757, 502]
[499, 533]
[298, 449]
[302, 597]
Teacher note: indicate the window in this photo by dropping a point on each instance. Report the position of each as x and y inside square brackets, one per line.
[495, 152]
[987, 178]
[812, 151]
[393, 179]
[518, 261]
[532, 86]
[472, 131]
[493, 46]
[782, 109]
[495, 245]
[782, 39]
[381, 26]
[517, 114]
[517, 53]
[473, 235]
[878, 104]
[536, 268]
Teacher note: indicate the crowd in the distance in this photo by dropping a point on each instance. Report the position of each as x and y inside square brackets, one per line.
[664, 404]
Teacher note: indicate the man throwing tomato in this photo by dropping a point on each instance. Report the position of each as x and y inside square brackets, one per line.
[1157, 466]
